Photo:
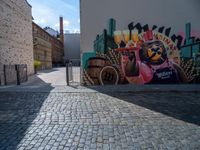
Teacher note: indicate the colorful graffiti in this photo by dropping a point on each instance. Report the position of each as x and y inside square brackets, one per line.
[140, 55]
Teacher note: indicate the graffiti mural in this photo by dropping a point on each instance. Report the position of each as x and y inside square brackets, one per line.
[142, 55]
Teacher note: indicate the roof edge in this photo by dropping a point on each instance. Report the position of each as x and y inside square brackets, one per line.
[28, 3]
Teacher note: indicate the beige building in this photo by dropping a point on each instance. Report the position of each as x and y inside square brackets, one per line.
[57, 52]
[42, 47]
[48, 49]
[16, 41]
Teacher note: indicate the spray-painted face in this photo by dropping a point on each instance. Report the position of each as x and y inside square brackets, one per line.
[155, 52]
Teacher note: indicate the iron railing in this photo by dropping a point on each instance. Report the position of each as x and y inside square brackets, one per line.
[14, 74]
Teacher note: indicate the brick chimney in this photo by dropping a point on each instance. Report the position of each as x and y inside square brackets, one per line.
[61, 30]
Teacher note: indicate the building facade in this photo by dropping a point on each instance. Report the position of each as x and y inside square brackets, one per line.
[48, 49]
[16, 41]
[125, 46]
[58, 46]
[42, 42]
[51, 31]
[57, 52]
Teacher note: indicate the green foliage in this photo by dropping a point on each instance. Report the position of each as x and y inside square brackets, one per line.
[37, 64]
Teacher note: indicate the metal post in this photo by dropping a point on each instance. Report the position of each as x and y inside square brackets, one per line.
[18, 75]
[26, 72]
[4, 70]
[67, 72]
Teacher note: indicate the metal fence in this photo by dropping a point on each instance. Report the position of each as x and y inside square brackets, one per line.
[1, 75]
[73, 72]
[14, 74]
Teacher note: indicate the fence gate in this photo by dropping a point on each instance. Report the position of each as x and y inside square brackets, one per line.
[15, 74]
[73, 72]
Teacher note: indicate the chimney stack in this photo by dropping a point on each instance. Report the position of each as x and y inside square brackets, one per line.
[61, 30]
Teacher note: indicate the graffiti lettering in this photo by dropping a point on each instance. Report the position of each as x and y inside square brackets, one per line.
[175, 38]
[166, 40]
[138, 27]
[164, 75]
[167, 31]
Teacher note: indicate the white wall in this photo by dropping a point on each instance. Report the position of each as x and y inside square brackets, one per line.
[169, 13]
[72, 46]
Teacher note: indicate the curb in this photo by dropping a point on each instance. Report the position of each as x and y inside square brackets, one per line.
[105, 89]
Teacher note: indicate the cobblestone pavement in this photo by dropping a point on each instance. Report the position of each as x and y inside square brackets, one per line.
[99, 121]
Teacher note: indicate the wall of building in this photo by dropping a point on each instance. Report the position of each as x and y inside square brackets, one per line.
[42, 47]
[47, 48]
[16, 42]
[169, 29]
[95, 14]
[72, 47]
[57, 52]
[51, 31]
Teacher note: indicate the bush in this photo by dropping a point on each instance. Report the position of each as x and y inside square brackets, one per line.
[37, 65]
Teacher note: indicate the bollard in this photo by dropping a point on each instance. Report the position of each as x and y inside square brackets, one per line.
[18, 75]
[0, 79]
[26, 72]
[67, 72]
[4, 72]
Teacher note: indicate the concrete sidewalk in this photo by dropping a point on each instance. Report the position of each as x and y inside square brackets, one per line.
[54, 76]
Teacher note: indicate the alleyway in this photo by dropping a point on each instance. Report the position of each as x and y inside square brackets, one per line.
[146, 53]
[57, 117]
[55, 76]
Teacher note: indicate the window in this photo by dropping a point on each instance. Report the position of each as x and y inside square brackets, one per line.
[45, 54]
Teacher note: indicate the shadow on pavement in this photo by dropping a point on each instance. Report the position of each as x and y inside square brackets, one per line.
[18, 109]
[182, 105]
[34, 80]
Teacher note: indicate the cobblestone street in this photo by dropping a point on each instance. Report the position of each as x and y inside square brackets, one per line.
[93, 120]
[99, 75]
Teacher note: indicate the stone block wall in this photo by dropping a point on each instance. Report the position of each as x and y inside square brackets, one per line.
[16, 41]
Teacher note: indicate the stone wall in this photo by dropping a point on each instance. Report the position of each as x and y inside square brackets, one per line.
[16, 41]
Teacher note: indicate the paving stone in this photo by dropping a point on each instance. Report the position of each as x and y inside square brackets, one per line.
[56, 120]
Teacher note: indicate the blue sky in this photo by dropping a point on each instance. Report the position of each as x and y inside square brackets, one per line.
[47, 12]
